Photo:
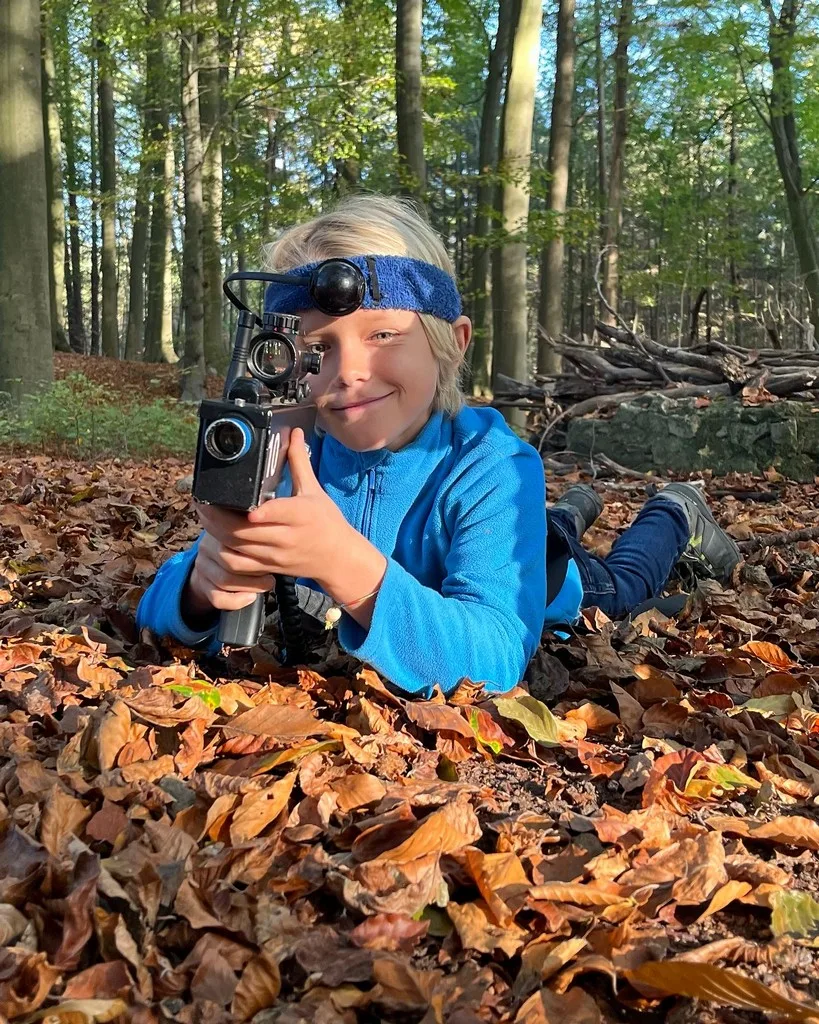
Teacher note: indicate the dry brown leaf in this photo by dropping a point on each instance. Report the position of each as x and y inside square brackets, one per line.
[63, 815]
[113, 734]
[258, 988]
[732, 890]
[281, 722]
[716, 984]
[446, 830]
[771, 654]
[259, 809]
[546, 1007]
[389, 933]
[500, 877]
[597, 718]
[434, 717]
[579, 893]
[477, 930]
[357, 790]
[791, 831]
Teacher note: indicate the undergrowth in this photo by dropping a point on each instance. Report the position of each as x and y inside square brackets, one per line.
[78, 417]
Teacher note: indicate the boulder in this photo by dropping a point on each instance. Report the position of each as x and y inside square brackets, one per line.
[657, 433]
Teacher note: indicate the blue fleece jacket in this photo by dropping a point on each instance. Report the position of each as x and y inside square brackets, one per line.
[460, 515]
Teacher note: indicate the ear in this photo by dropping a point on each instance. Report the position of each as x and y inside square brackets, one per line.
[462, 329]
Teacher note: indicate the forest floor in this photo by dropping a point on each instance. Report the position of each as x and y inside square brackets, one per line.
[631, 836]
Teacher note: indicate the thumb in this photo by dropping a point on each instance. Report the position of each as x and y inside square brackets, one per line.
[301, 471]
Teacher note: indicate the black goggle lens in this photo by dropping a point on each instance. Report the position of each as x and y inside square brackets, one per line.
[337, 287]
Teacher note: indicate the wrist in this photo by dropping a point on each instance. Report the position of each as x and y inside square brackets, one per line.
[356, 570]
[197, 611]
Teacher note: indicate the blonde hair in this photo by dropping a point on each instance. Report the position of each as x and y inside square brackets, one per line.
[379, 225]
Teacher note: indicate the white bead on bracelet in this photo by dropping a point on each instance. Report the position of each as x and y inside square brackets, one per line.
[333, 613]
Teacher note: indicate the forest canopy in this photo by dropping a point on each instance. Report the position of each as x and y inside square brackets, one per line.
[670, 162]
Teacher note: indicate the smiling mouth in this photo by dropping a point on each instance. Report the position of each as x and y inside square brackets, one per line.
[359, 405]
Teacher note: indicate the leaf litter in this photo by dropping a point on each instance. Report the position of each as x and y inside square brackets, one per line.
[631, 834]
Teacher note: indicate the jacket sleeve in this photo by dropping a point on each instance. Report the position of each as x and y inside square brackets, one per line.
[487, 619]
[160, 608]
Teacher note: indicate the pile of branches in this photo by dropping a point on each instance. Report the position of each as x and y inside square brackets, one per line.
[629, 363]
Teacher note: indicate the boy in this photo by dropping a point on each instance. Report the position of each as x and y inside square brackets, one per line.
[422, 519]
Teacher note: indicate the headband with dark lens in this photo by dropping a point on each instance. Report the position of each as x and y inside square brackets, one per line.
[337, 287]
[340, 286]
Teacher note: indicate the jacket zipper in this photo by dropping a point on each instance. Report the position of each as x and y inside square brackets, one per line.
[366, 521]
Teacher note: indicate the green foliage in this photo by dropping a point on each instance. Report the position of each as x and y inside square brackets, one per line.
[76, 417]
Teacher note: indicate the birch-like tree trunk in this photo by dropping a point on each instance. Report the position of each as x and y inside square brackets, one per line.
[54, 187]
[481, 355]
[408, 101]
[210, 113]
[193, 386]
[510, 347]
[95, 207]
[108, 196]
[161, 183]
[76, 324]
[135, 331]
[550, 308]
[614, 219]
[26, 358]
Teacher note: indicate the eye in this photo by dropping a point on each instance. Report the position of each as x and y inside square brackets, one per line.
[317, 346]
[384, 335]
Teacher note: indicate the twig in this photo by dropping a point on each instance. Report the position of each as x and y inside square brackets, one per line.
[778, 540]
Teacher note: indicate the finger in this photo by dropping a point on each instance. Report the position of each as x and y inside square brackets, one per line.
[220, 522]
[301, 470]
[214, 577]
[227, 602]
[274, 512]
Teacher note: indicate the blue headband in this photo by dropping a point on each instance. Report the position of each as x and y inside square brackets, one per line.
[393, 282]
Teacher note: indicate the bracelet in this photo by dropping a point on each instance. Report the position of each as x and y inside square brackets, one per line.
[333, 613]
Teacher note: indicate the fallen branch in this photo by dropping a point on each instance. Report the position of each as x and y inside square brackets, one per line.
[778, 540]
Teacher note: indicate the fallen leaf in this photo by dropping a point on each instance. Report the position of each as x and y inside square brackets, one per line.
[533, 715]
[716, 984]
[795, 914]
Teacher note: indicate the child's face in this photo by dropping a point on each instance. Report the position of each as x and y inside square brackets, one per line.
[378, 375]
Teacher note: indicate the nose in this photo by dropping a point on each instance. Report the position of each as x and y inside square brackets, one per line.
[352, 364]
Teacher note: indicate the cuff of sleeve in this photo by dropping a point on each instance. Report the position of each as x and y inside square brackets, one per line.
[364, 643]
[377, 645]
[172, 623]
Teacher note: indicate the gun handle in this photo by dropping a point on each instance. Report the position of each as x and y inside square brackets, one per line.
[242, 628]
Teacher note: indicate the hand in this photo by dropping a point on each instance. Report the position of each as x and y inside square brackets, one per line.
[239, 554]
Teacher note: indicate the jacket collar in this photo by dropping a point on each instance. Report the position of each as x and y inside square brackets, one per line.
[339, 464]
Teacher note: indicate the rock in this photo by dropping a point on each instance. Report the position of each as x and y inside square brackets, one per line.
[664, 434]
[185, 484]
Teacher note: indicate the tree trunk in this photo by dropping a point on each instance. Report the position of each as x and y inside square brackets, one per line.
[26, 358]
[481, 355]
[166, 336]
[108, 196]
[193, 387]
[95, 260]
[76, 324]
[54, 186]
[516, 152]
[135, 333]
[614, 220]
[600, 81]
[408, 105]
[210, 112]
[785, 134]
[733, 233]
[550, 311]
[161, 182]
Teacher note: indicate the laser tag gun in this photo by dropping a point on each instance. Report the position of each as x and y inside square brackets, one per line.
[244, 436]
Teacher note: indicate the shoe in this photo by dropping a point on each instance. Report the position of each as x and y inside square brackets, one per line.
[710, 552]
[584, 504]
